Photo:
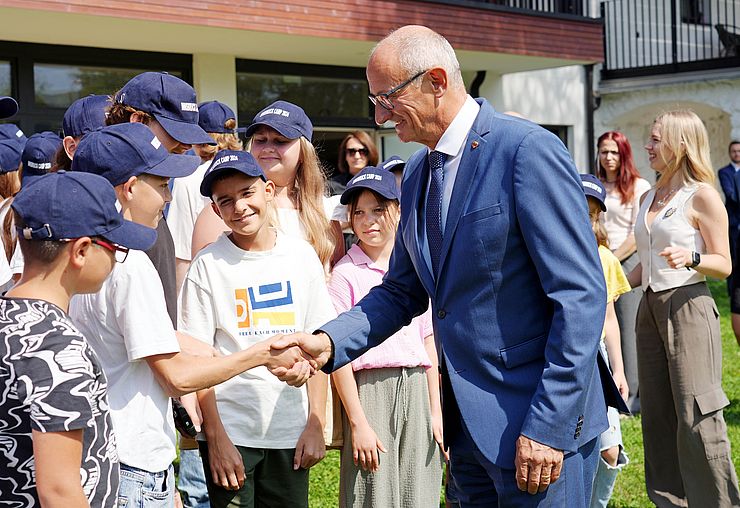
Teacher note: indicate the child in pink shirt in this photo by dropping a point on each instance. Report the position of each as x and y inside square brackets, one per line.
[391, 393]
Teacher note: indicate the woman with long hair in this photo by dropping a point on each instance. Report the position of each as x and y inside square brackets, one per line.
[682, 238]
[616, 169]
[356, 151]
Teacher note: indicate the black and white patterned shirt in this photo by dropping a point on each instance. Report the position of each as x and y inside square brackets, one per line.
[51, 381]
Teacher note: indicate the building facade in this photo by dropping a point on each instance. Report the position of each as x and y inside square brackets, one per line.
[248, 53]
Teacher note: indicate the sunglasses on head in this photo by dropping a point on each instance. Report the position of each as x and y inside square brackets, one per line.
[355, 151]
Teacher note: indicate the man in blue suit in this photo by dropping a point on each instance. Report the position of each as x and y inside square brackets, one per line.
[729, 180]
[494, 229]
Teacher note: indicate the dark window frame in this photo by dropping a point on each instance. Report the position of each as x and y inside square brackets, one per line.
[23, 56]
[276, 68]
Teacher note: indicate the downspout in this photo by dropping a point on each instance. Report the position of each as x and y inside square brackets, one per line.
[480, 76]
[590, 99]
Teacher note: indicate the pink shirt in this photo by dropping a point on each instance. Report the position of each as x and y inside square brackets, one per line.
[352, 278]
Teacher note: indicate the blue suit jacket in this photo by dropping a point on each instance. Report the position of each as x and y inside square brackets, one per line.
[730, 184]
[519, 301]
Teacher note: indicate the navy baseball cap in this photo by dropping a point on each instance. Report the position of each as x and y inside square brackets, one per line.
[213, 116]
[8, 107]
[121, 151]
[236, 160]
[12, 131]
[374, 178]
[66, 205]
[38, 155]
[85, 115]
[593, 187]
[10, 155]
[170, 101]
[286, 118]
[393, 163]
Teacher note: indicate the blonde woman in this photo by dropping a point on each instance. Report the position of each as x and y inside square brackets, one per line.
[681, 235]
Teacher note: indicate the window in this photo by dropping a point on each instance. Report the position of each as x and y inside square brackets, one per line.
[46, 79]
[5, 88]
[331, 96]
[695, 11]
[58, 86]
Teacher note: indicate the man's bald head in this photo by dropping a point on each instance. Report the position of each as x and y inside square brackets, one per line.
[415, 48]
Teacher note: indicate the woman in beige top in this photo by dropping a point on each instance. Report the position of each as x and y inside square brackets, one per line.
[615, 167]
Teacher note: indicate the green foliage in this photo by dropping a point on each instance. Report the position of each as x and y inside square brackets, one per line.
[629, 491]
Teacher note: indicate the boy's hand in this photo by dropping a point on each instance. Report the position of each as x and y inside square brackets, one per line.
[317, 346]
[297, 375]
[310, 448]
[227, 467]
[190, 403]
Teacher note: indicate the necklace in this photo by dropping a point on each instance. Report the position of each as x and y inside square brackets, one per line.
[667, 197]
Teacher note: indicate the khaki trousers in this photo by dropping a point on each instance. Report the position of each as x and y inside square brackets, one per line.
[396, 404]
[679, 352]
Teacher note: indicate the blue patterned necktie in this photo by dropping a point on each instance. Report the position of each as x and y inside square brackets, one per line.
[434, 207]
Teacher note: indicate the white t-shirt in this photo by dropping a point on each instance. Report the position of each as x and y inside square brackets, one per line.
[619, 219]
[5, 273]
[125, 322]
[289, 221]
[186, 205]
[233, 299]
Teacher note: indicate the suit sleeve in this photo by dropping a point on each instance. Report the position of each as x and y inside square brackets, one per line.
[553, 216]
[727, 182]
[381, 313]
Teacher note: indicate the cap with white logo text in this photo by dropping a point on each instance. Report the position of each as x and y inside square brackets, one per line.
[286, 118]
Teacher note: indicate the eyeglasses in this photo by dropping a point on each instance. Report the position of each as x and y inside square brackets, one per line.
[355, 151]
[120, 253]
[384, 98]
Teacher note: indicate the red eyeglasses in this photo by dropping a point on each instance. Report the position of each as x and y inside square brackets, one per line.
[120, 253]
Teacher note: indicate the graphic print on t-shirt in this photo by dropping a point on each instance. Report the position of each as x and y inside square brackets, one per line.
[265, 309]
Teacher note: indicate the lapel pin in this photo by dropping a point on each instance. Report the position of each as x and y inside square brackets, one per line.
[670, 212]
[474, 145]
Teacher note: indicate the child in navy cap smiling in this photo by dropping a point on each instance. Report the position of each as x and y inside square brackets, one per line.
[54, 410]
[128, 325]
[253, 282]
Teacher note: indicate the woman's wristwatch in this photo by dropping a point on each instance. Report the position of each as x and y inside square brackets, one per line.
[695, 260]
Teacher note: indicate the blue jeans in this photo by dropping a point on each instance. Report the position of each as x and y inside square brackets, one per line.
[191, 481]
[142, 489]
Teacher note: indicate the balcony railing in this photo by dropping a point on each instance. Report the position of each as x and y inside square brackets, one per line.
[580, 8]
[666, 36]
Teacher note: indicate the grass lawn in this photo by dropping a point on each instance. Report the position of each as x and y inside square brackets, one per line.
[629, 491]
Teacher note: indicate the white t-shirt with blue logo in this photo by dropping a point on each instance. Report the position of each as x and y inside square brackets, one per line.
[233, 299]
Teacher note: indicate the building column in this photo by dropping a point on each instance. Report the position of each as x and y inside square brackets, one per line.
[214, 78]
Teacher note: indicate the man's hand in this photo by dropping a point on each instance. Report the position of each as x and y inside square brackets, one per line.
[537, 465]
[317, 346]
[289, 364]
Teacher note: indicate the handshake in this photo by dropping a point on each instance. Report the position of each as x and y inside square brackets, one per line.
[296, 357]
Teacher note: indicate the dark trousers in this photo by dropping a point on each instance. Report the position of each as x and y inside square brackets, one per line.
[473, 480]
[271, 481]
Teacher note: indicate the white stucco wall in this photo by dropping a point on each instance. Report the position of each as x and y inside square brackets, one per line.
[551, 96]
[716, 101]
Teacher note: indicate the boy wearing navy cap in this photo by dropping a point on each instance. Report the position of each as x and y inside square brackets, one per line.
[37, 158]
[82, 116]
[127, 322]
[12, 131]
[167, 105]
[252, 282]
[219, 121]
[54, 411]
